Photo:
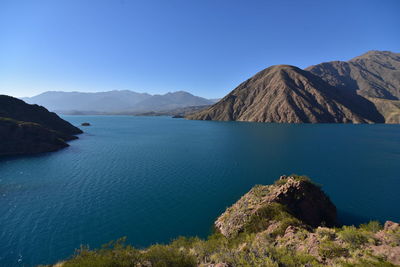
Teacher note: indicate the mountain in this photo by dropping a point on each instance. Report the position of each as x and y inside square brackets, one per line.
[374, 75]
[286, 93]
[29, 129]
[111, 101]
[115, 102]
[171, 101]
[365, 89]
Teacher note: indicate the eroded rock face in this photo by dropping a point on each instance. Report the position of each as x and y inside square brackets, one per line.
[305, 201]
[302, 199]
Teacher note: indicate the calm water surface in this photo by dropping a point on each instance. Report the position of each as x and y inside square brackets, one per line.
[155, 178]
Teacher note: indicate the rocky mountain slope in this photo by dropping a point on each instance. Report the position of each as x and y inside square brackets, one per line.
[298, 195]
[29, 129]
[373, 74]
[115, 102]
[284, 224]
[358, 91]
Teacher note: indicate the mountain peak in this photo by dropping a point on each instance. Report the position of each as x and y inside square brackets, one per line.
[115, 102]
[377, 54]
[325, 92]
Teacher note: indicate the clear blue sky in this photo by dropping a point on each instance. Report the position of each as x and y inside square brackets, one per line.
[206, 47]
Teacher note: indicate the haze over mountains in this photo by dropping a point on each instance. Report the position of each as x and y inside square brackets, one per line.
[115, 102]
[365, 89]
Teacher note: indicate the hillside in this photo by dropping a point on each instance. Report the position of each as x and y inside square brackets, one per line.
[286, 93]
[373, 74]
[356, 91]
[30, 129]
[115, 102]
[288, 223]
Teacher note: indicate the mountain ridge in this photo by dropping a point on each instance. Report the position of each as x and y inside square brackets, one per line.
[330, 92]
[115, 102]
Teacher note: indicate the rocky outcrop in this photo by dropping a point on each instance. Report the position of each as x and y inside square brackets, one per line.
[275, 225]
[332, 92]
[299, 196]
[30, 129]
[368, 245]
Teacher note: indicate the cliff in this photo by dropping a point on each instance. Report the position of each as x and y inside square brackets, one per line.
[284, 224]
[295, 195]
[332, 92]
[30, 129]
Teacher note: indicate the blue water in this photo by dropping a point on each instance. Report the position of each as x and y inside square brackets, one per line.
[155, 178]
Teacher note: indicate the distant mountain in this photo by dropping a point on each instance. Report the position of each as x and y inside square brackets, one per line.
[115, 102]
[365, 89]
[29, 129]
[176, 113]
[171, 101]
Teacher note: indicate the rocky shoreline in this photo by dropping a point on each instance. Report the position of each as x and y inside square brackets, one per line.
[289, 223]
[30, 129]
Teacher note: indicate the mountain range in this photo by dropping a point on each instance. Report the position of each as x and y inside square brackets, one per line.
[365, 89]
[115, 102]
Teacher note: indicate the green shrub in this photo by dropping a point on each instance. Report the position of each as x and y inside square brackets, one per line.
[368, 263]
[273, 212]
[353, 236]
[184, 242]
[260, 190]
[166, 256]
[326, 233]
[251, 259]
[117, 254]
[372, 226]
[118, 257]
[330, 250]
[289, 258]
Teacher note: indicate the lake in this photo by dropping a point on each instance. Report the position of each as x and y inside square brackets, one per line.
[155, 178]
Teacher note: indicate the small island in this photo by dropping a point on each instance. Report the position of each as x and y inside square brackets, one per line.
[178, 116]
[289, 223]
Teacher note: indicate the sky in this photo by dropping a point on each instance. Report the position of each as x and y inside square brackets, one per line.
[206, 47]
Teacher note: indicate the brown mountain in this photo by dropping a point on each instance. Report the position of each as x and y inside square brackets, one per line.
[286, 93]
[374, 75]
[365, 89]
[30, 129]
